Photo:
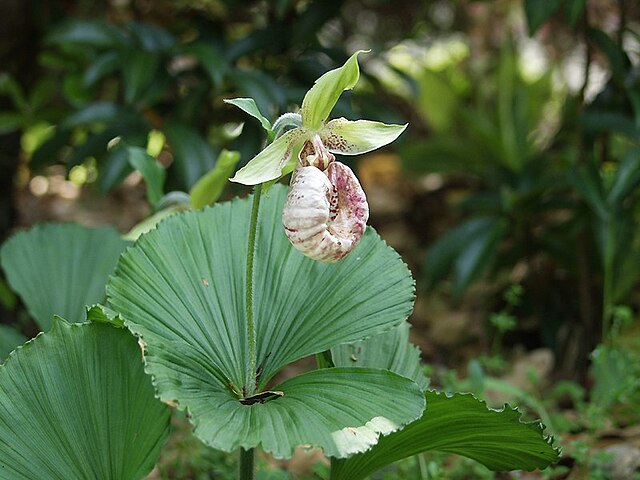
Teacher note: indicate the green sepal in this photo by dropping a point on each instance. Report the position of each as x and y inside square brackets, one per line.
[322, 97]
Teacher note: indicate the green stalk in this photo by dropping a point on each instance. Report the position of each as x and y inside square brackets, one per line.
[247, 457]
[247, 469]
[247, 463]
[251, 329]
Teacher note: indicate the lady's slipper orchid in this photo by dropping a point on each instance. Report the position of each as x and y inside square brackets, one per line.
[322, 190]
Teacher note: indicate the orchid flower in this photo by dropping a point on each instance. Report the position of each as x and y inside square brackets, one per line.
[326, 211]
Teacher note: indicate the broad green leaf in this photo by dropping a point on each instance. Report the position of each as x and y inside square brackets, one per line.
[104, 64]
[538, 12]
[189, 309]
[76, 403]
[10, 338]
[152, 171]
[113, 168]
[211, 59]
[248, 105]
[463, 425]
[361, 136]
[209, 188]
[139, 68]
[438, 101]
[322, 97]
[390, 351]
[94, 113]
[341, 410]
[86, 33]
[193, 156]
[270, 163]
[151, 37]
[60, 268]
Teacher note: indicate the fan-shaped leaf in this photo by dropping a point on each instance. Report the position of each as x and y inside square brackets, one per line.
[464, 425]
[342, 410]
[181, 288]
[75, 403]
[58, 269]
[390, 350]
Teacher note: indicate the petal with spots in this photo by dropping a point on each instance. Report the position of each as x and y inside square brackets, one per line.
[348, 137]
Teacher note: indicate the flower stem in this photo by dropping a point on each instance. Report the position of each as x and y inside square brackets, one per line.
[251, 329]
[246, 464]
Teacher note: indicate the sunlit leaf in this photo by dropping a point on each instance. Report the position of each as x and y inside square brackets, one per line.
[209, 188]
[152, 171]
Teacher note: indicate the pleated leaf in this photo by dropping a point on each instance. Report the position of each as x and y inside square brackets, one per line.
[463, 425]
[181, 288]
[57, 269]
[390, 350]
[341, 410]
[76, 403]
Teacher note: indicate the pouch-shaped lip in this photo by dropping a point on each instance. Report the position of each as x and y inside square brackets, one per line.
[326, 212]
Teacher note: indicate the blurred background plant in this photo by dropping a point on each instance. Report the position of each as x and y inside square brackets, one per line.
[513, 195]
